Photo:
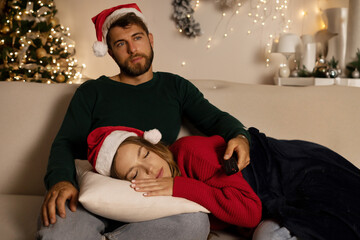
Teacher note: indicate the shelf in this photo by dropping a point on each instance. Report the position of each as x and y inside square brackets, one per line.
[311, 81]
[351, 82]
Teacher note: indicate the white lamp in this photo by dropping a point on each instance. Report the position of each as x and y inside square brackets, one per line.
[288, 44]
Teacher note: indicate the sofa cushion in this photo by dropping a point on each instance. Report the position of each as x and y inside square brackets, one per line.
[19, 216]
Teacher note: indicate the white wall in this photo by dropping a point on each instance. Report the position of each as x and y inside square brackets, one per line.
[240, 57]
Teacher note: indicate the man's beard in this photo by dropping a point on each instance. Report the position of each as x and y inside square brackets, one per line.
[137, 69]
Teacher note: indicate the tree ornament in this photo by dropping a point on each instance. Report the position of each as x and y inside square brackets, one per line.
[284, 71]
[5, 29]
[332, 73]
[62, 62]
[54, 21]
[354, 65]
[333, 68]
[37, 76]
[40, 53]
[294, 73]
[48, 67]
[18, 17]
[60, 78]
[355, 73]
[321, 68]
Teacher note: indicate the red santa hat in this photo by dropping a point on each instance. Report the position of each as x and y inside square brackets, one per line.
[103, 143]
[104, 20]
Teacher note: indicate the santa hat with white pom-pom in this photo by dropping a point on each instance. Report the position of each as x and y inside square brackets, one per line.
[104, 20]
[103, 143]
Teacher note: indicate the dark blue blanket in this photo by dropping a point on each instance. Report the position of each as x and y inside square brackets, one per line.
[311, 190]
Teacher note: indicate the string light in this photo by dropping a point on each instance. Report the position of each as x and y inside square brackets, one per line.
[197, 3]
[223, 17]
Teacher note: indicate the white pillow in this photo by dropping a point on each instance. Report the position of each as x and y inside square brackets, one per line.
[115, 199]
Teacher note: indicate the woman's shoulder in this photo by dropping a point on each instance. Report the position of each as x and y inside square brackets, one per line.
[200, 147]
[199, 156]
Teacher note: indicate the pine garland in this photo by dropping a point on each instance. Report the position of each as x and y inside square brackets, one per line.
[184, 19]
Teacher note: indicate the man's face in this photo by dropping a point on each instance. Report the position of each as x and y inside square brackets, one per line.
[131, 48]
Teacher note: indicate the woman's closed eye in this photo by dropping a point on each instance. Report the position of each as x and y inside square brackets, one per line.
[147, 154]
[135, 175]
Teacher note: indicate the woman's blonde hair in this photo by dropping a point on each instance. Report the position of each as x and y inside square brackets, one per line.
[159, 149]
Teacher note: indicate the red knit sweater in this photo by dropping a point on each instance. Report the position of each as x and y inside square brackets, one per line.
[229, 198]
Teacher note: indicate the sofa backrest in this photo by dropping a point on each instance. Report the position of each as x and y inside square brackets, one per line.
[31, 114]
[328, 115]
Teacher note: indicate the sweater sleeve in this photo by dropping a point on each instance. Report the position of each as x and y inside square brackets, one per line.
[208, 118]
[228, 198]
[70, 142]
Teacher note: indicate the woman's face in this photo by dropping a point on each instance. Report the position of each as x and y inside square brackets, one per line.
[136, 162]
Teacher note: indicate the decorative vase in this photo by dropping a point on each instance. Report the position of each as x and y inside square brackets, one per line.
[353, 30]
[308, 58]
[337, 21]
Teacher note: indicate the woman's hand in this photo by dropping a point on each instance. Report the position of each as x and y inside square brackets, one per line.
[154, 187]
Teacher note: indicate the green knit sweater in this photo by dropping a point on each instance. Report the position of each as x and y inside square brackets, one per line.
[159, 103]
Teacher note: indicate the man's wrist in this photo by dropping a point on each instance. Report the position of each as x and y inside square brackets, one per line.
[243, 137]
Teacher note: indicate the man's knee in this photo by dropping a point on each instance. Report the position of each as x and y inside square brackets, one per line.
[76, 224]
[270, 230]
[193, 225]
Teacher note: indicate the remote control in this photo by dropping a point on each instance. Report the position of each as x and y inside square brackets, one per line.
[230, 166]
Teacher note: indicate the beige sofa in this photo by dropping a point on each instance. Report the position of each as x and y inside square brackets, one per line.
[31, 113]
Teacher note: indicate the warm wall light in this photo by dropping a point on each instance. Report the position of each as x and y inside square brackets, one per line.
[303, 13]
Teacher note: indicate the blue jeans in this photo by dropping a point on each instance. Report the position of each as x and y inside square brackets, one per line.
[83, 225]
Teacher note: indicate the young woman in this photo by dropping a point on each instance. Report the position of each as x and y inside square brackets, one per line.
[129, 154]
[305, 187]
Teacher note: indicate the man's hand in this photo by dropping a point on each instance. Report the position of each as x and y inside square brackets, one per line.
[241, 146]
[55, 199]
[154, 187]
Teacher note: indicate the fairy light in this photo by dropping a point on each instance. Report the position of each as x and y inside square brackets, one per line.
[197, 4]
[275, 10]
[224, 16]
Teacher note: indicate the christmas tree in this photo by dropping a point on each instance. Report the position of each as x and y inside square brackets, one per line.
[34, 47]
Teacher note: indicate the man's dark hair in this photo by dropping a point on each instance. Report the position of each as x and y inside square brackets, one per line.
[124, 22]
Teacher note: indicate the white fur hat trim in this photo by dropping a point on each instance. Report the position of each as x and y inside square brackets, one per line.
[108, 149]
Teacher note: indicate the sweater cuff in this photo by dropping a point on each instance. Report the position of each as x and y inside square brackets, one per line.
[243, 132]
[60, 175]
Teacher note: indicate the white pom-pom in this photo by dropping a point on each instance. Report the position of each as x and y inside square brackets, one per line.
[100, 49]
[153, 136]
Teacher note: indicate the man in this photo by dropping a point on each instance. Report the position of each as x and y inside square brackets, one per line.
[136, 97]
